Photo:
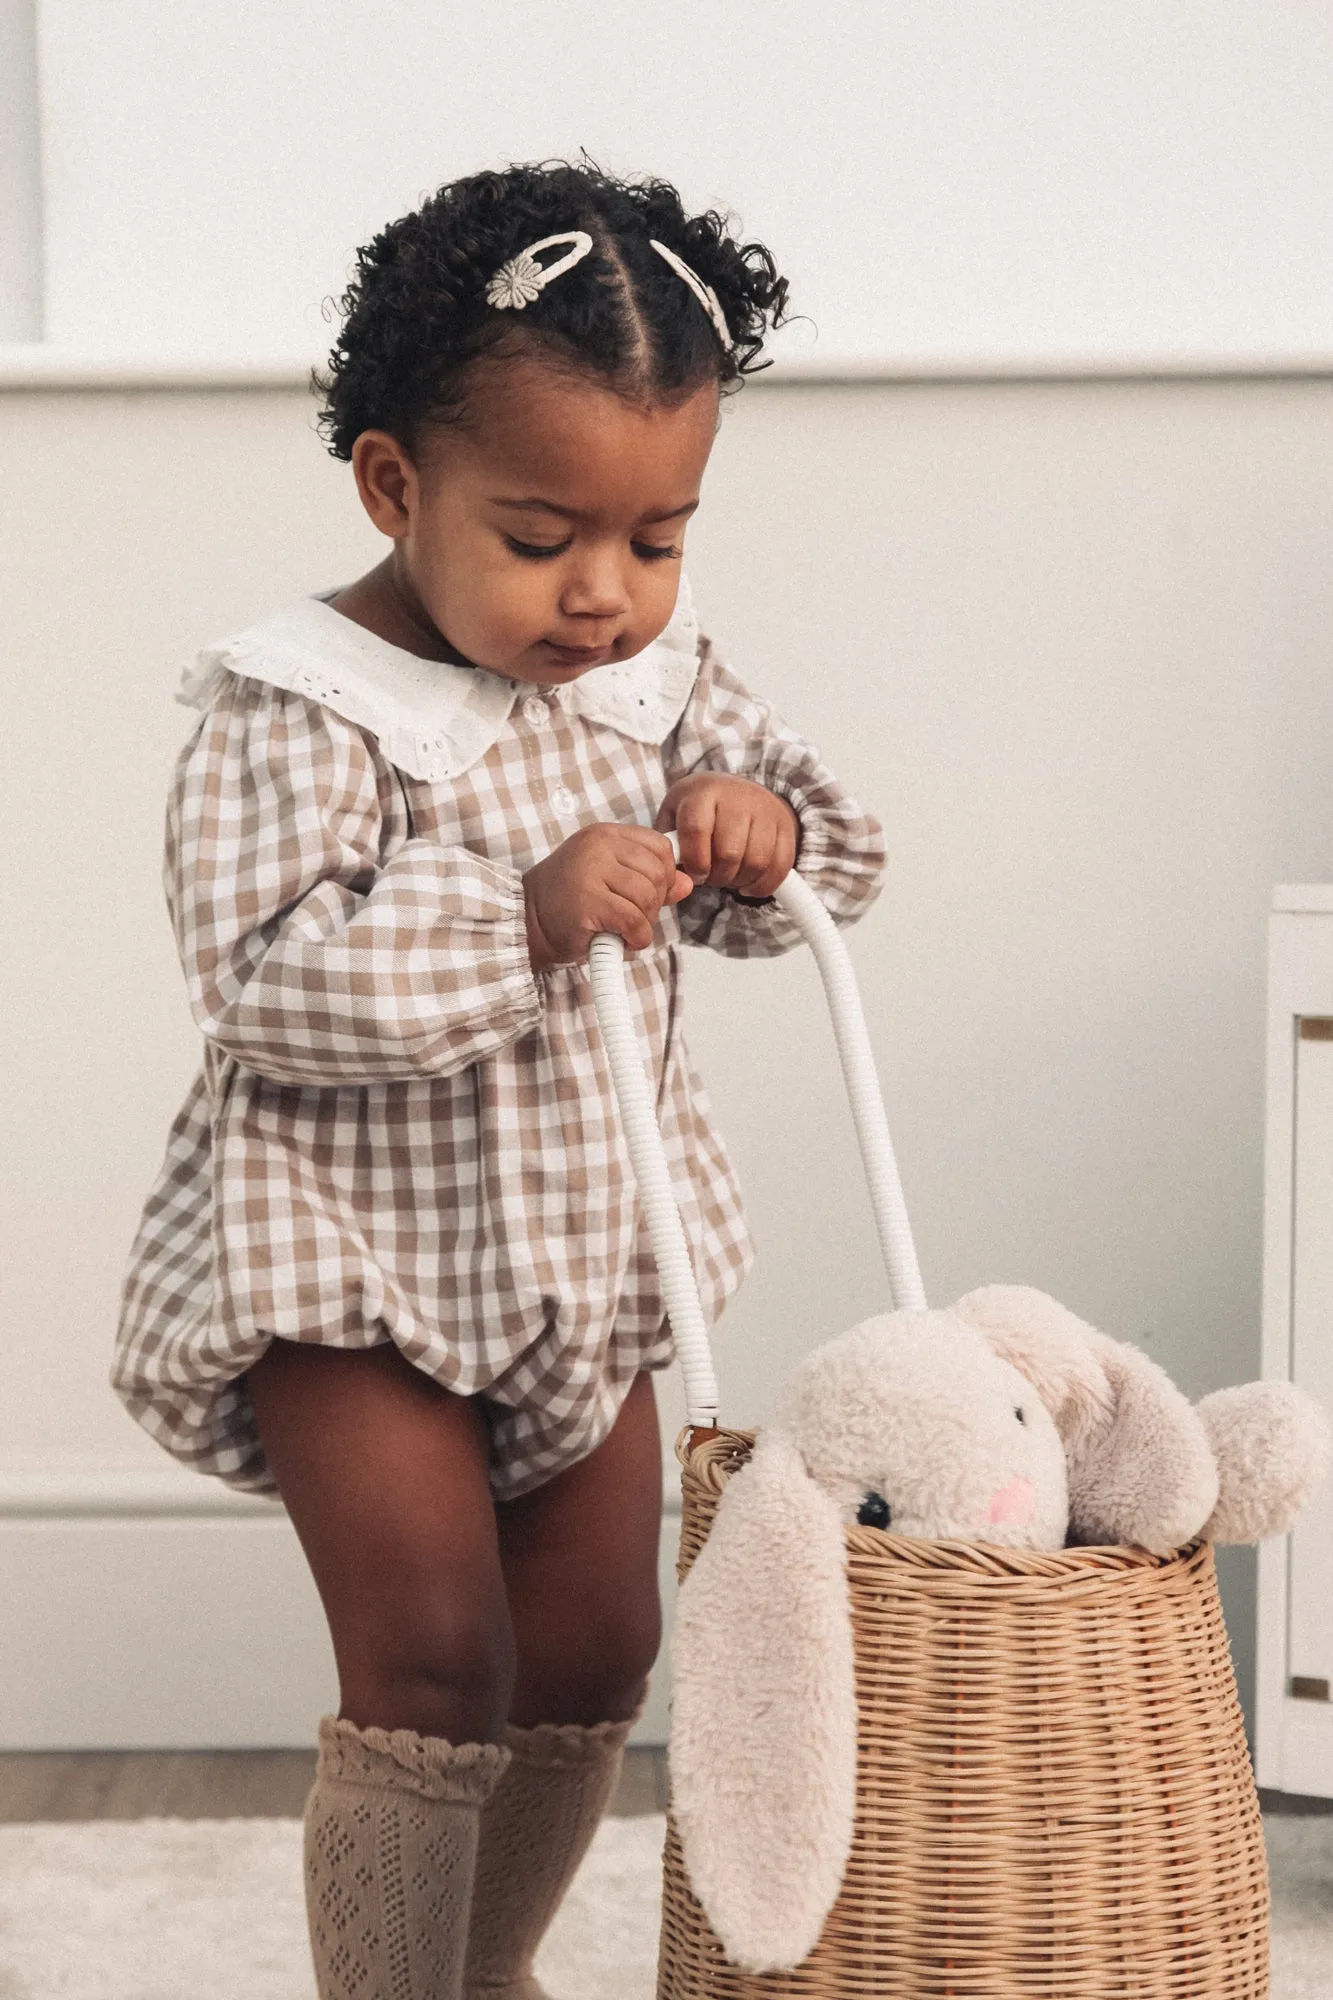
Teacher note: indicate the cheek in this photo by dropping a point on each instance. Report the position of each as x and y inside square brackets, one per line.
[653, 594]
[486, 601]
[1014, 1505]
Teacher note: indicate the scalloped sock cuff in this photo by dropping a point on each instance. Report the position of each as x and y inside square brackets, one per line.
[390, 1845]
[535, 1831]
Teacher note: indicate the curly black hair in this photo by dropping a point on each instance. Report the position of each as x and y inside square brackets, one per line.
[416, 313]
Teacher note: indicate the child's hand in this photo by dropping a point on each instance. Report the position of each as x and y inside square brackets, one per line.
[733, 833]
[603, 878]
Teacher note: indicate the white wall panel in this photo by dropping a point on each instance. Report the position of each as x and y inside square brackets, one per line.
[131, 1633]
[20, 177]
[1069, 641]
[953, 182]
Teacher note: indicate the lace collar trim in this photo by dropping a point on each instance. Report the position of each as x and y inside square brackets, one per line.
[432, 719]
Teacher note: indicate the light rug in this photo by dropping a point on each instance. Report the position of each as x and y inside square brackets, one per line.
[172, 1909]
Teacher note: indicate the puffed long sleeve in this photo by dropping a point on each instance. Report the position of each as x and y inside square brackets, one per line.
[725, 728]
[320, 944]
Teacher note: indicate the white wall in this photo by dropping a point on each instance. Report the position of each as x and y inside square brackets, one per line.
[20, 185]
[1071, 643]
[946, 182]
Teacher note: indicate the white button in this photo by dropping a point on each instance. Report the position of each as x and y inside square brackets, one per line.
[536, 711]
[564, 801]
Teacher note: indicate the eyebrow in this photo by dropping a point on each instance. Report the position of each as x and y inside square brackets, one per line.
[573, 514]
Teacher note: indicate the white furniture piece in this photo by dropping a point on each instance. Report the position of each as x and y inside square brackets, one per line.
[1293, 1710]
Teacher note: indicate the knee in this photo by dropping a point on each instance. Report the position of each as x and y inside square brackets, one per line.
[592, 1670]
[631, 1647]
[613, 1686]
[452, 1678]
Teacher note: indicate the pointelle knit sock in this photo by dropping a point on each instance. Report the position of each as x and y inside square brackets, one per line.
[535, 1830]
[390, 1846]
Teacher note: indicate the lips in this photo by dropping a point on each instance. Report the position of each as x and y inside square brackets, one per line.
[577, 656]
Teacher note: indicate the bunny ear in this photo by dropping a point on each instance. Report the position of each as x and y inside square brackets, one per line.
[1148, 1476]
[1051, 1347]
[763, 1713]
[1140, 1465]
[1272, 1446]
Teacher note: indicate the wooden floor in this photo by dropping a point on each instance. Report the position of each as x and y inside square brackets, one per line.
[213, 1784]
[267, 1784]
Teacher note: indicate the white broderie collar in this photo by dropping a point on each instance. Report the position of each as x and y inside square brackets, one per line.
[433, 719]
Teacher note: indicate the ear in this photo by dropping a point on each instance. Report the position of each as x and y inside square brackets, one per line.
[387, 481]
[763, 1716]
[1272, 1446]
[1148, 1477]
[1048, 1345]
[1140, 1465]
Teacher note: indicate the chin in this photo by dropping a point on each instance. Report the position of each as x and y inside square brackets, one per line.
[551, 674]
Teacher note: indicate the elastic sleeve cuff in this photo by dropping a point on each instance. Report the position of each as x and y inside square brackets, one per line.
[485, 906]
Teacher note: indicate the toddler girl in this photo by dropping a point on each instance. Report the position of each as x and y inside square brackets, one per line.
[393, 1269]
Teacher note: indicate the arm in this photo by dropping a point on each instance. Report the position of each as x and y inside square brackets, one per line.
[304, 957]
[840, 848]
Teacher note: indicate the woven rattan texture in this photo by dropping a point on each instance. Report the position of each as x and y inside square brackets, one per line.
[1054, 1795]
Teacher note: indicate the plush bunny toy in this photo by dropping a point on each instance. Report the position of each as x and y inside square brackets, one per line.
[1003, 1420]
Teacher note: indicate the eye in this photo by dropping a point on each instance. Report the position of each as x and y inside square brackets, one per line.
[1021, 1415]
[874, 1511]
[649, 552]
[535, 551]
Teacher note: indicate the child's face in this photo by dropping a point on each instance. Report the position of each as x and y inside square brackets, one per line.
[543, 536]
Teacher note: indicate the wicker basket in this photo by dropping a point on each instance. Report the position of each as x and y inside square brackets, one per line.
[1054, 1795]
[1054, 1799]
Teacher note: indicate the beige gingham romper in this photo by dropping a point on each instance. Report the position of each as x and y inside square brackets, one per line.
[399, 1131]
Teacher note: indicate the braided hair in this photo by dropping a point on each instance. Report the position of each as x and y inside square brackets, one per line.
[416, 314]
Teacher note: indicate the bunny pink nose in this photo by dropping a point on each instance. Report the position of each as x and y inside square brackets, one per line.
[1014, 1504]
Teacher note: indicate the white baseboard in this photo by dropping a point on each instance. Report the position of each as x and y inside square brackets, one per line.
[159, 1611]
[58, 1492]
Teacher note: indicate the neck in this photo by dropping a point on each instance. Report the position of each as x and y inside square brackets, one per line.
[385, 603]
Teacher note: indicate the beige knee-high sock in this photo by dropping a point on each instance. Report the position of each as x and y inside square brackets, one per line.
[390, 1846]
[534, 1833]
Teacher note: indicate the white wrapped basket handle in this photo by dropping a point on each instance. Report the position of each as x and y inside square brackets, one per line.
[648, 1156]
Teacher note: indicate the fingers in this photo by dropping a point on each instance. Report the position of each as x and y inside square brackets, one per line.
[758, 857]
[627, 920]
[655, 869]
[647, 853]
[732, 825]
[691, 819]
[763, 875]
[645, 859]
[632, 891]
[733, 833]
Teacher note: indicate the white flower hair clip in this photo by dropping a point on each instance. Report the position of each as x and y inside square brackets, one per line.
[521, 278]
[518, 282]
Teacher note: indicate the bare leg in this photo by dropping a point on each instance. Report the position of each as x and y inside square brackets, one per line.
[579, 1557]
[385, 1477]
[580, 1564]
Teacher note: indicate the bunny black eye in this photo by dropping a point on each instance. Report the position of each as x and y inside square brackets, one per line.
[1021, 1415]
[874, 1511]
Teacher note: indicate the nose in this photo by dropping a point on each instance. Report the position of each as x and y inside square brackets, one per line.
[596, 588]
[1014, 1504]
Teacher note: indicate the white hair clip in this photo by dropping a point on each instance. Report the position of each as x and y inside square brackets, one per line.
[518, 282]
[705, 294]
[521, 278]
